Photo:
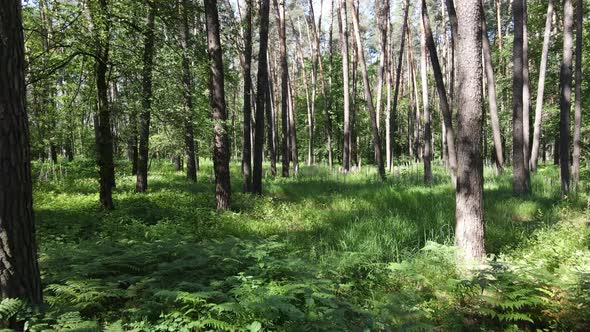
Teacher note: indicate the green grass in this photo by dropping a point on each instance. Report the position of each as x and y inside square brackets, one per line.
[317, 252]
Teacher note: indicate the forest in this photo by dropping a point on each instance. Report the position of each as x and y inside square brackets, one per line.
[294, 165]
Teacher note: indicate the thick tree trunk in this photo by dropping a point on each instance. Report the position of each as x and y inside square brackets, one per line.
[526, 94]
[492, 98]
[541, 89]
[247, 143]
[280, 20]
[427, 154]
[343, 28]
[442, 94]
[565, 103]
[187, 84]
[141, 184]
[221, 147]
[469, 230]
[368, 95]
[519, 171]
[19, 271]
[578, 106]
[261, 95]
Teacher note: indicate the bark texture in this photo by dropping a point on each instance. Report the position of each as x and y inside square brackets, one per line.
[247, 109]
[578, 106]
[519, 179]
[565, 101]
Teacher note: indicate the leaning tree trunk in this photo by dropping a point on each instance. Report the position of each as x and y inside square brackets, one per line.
[565, 103]
[104, 138]
[221, 147]
[469, 230]
[141, 184]
[541, 89]
[492, 97]
[578, 107]
[19, 271]
[427, 154]
[261, 95]
[187, 93]
[442, 93]
[247, 143]
[343, 28]
[368, 95]
[519, 171]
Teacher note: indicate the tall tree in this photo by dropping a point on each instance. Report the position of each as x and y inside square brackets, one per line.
[141, 184]
[469, 229]
[221, 147]
[187, 93]
[427, 154]
[526, 93]
[247, 108]
[492, 98]
[261, 94]
[565, 102]
[383, 23]
[368, 94]
[101, 24]
[343, 29]
[280, 19]
[541, 88]
[519, 171]
[578, 78]
[19, 271]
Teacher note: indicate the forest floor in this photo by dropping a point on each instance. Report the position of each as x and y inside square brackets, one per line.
[318, 252]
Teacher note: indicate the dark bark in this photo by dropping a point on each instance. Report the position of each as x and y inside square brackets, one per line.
[427, 153]
[19, 271]
[271, 128]
[565, 102]
[343, 29]
[247, 143]
[578, 106]
[469, 230]
[261, 92]
[518, 169]
[141, 184]
[187, 93]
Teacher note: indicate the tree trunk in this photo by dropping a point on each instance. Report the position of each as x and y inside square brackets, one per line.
[293, 128]
[187, 84]
[104, 139]
[454, 31]
[492, 98]
[519, 171]
[368, 95]
[221, 147]
[526, 94]
[19, 271]
[469, 230]
[541, 89]
[271, 123]
[382, 22]
[141, 184]
[280, 19]
[427, 156]
[565, 79]
[442, 94]
[247, 143]
[578, 106]
[343, 29]
[261, 93]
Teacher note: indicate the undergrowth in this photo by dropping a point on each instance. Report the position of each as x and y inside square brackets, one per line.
[318, 252]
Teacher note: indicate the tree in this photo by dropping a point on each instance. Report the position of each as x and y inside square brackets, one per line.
[144, 118]
[103, 135]
[541, 88]
[519, 173]
[469, 229]
[427, 154]
[247, 108]
[565, 103]
[343, 29]
[280, 17]
[368, 94]
[19, 271]
[578, 78]
[262, 89]
[187, 93]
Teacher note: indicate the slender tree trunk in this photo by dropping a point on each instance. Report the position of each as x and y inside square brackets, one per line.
[454, 31]
[541, 89]
[187, 84]
[368, 95]
[141, 184]
[442, 93]
[311, 116]
[343, 28]
[19, 271]
[271, 120]
[261, 93]
[565, 79]
[469, 230]
[427, 157]
[492, 98]
[247, 144]
[294, 154]
[280, 19]
[221, 147]
[306, 86]
[526, 95]
[383, 22]
[519, 171]
[578, 106]
[499, 38]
